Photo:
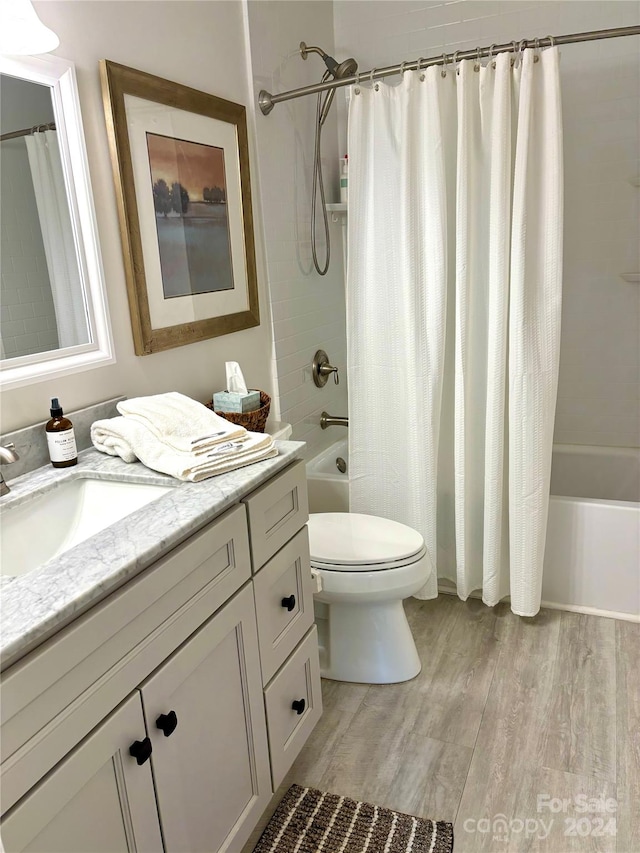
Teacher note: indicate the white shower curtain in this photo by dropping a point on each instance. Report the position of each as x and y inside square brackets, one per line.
[454, 296]
[58, 238]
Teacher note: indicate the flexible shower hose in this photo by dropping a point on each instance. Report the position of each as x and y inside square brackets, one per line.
[318, 182]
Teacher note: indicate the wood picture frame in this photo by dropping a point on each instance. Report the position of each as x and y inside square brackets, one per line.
[188, 249]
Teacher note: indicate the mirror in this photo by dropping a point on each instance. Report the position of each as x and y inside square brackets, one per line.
[53, 317]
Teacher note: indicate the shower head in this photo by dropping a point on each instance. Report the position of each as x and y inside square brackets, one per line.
[338, 70]
[347, 68]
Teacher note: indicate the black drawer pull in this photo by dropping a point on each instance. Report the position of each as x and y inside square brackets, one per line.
[141, 750]
[289, 602]
[298, 705]
[167, 723]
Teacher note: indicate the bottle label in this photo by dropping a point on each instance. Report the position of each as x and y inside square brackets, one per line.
[62, 445]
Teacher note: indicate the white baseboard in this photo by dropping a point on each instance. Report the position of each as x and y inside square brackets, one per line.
[553, 605]
[591, 611]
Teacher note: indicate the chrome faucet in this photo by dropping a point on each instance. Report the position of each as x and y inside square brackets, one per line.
[8, 454]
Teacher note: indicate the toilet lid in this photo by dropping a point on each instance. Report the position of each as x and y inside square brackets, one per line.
[358, 541]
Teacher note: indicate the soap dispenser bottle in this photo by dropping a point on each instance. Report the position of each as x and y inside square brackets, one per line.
[61, 439]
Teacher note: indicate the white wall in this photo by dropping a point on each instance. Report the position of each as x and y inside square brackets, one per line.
[308, 310]
[599, 391]
[599, 396]
[27, 317]
[200, 44]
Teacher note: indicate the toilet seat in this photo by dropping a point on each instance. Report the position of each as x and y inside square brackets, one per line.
[368, 567]
[354, 542]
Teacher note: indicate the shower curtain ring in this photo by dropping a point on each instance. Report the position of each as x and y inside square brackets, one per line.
[443, 73]
[476, 66]
[357, 88]
[552, 40]
[420, 60]
[521, 48]
[536, 48]
[514, 50]
[455, 62]
[490, 60]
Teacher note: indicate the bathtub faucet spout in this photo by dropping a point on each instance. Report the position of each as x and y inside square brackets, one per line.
[327, 420]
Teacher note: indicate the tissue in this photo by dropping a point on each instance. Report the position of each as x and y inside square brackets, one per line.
[235, 378]
[236, 398]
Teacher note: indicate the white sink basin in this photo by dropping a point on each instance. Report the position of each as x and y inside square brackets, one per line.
[53, 522]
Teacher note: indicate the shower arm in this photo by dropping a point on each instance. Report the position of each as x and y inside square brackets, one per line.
[306, 49]
[267, 101]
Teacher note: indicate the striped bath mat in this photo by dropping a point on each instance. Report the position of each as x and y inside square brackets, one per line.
[310, 821]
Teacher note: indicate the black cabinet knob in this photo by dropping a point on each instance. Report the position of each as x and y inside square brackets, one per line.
[167, 723]
[298, 705]
[141, 750]
[289, 602]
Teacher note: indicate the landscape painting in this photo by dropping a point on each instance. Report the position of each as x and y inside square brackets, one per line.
[181, 165]
[190, 202]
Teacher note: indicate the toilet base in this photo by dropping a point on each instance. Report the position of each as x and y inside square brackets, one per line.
[367, 643]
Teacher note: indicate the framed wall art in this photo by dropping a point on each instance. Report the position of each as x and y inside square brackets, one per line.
[181, 168]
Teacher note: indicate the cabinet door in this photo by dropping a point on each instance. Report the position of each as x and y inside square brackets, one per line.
[210, 758]
[97, 800]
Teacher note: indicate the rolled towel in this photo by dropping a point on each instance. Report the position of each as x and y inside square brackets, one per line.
[180, 422]
[131, 440]
[116, 436]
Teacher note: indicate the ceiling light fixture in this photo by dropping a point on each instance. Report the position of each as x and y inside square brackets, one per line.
[22, 33]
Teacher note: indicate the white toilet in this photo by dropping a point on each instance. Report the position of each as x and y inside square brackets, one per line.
[368, 565]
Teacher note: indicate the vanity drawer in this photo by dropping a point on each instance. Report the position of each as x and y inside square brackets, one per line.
[289, 721]
[284, 603]
[277, 511]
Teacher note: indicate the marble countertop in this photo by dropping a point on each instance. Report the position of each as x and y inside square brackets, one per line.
[35, 605]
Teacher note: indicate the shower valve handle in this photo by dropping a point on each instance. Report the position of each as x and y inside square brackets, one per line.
[327, 370]
[322, 370]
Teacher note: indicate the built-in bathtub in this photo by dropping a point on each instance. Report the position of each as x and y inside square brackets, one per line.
[328, 486]
[592, 556]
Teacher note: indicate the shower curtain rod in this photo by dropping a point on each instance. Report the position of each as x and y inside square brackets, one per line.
[267, 101]
[28, 131]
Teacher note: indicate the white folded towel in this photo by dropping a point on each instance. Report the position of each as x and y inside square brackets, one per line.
[180, 422]
[129, 439]
[117, 436]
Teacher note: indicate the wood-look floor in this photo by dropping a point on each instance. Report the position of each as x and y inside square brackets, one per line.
[508, 717]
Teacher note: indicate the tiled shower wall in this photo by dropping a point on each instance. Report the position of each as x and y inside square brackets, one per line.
[599, 390]
[308, 310]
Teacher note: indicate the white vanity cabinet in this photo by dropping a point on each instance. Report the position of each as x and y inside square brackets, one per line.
[206, 664]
